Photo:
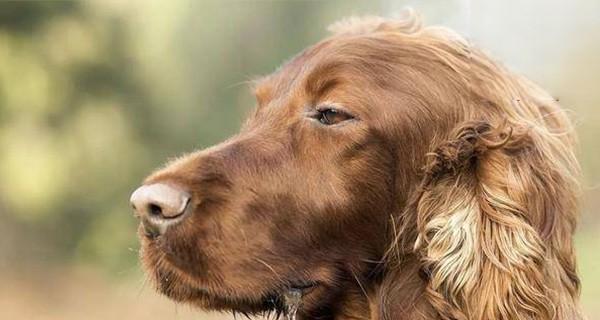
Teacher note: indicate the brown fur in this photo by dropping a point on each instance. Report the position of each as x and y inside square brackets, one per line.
[450, 195]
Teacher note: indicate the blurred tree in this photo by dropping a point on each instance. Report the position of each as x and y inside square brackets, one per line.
[26, 17]
[73, 134]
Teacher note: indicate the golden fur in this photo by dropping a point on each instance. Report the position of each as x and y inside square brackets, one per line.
[450, 193]
[496, 207]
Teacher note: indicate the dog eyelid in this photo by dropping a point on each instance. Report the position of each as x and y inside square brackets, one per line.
[330, 115]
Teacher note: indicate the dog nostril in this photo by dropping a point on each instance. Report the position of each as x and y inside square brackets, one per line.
[159, 201]
[155, 210]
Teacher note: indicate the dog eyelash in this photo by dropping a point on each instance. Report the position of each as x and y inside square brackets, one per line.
[330, 116]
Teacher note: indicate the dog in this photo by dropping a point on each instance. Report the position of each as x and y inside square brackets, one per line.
[390, 171]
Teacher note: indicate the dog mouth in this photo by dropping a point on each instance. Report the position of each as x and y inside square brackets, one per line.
[292, 299]
[287, 301]
[289, 297]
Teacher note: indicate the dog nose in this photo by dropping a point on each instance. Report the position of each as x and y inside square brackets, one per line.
[157, 204]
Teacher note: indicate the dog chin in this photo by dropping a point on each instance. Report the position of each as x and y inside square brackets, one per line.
[277, 302]
[183, 292]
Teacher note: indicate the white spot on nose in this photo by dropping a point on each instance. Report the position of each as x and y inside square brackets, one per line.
[159, 200]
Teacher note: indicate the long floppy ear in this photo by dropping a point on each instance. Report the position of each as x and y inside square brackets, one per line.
[495, 216]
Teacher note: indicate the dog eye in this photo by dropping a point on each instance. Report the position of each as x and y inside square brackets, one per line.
[331, 116]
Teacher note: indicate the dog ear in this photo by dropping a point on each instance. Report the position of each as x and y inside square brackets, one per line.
[495, 215]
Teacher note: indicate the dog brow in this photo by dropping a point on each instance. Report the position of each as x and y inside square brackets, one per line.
[323, 79]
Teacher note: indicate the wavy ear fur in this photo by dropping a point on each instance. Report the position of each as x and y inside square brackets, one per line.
[495, 215]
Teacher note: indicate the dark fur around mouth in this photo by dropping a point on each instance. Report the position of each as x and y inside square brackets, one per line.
[286, 303]
[273, 305]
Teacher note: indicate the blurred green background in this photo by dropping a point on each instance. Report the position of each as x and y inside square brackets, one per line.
[95, 94]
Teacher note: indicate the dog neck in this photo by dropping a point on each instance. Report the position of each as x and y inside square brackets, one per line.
[400, 294]
[397, 295]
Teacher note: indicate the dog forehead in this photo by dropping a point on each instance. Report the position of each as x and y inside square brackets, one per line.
[335, 58]
[294, 73]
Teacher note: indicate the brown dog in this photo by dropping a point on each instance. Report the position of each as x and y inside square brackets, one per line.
[388, 172]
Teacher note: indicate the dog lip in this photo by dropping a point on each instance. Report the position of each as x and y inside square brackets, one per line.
[155, 227]
[304, 286]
